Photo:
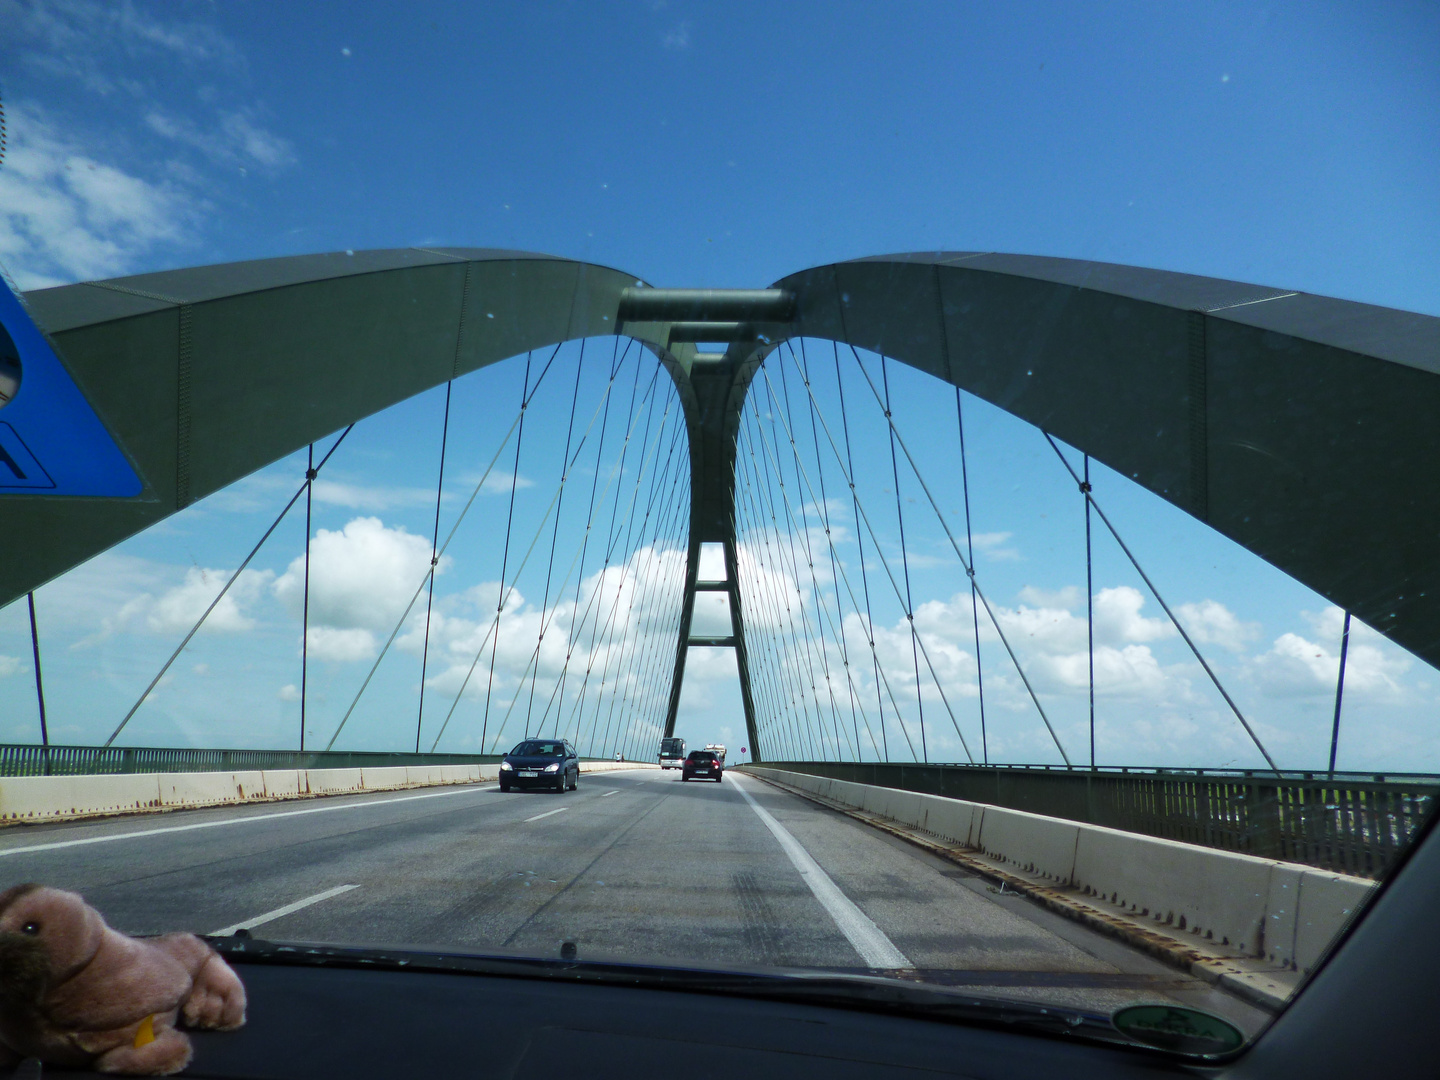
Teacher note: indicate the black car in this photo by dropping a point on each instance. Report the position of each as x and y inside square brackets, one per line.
[552, 764]
[704, 763]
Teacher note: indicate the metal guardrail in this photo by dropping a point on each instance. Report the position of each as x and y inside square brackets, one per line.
[30, 760]
[1351, 823]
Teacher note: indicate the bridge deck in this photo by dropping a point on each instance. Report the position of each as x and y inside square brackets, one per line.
[631, 865]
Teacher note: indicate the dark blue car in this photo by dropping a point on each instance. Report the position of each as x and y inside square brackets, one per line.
[552, 764]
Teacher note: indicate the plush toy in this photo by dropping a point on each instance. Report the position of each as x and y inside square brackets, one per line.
[74, 992]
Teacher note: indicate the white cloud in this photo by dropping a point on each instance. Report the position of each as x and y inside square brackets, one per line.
[85, 191]
[9, 665]
[65, 216]
[1212, 623]
[1295, 666]
[341, 646]
[178, 608]
[233, 138]
[1118, 618]
[289, 692]
[677, 37]
[994, 546]
[361, 578]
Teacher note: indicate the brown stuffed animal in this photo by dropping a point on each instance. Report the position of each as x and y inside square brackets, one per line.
[75, 992]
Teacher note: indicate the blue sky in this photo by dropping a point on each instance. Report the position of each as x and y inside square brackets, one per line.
[724, 145]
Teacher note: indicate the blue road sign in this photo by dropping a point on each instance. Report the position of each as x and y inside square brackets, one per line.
[51, 441]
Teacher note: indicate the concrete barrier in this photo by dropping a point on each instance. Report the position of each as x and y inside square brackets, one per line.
[61, 798]
[1287, 913]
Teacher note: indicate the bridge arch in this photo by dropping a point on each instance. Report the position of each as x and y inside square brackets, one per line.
[1301, 427]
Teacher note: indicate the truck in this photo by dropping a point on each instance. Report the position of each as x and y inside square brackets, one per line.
[718, 750]
[672, 752]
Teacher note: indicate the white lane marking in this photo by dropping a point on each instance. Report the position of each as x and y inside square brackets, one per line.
[547, 813]
[877, 950]
[109, 837]
[609, 793]
[271, 916]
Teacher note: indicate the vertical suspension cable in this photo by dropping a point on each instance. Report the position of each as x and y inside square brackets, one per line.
[505, 558]
[40, 683]
[904, 556]
[834, 569]
[788, 662]
[1089, 604]
[793, 583]
[616, 360]
[555, 536]
[970, 573]
[434, 558]
[641, 583]
[305, 604]
[1339, 691]
[823, 647]
[1215, 679]
[618, 471]
[901, 599]
[859, 539]
[781, 714]
[233, 578]
[638, 690]
[624, 574]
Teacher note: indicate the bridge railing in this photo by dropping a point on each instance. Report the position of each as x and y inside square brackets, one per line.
[31, 760]
[1351, 823]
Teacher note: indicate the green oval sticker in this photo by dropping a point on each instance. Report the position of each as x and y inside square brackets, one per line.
[1173, 1027]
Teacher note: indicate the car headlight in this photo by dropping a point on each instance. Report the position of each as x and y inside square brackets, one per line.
[505, 766]
[553, 768]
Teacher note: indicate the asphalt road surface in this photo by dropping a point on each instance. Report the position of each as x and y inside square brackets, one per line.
[632, 865]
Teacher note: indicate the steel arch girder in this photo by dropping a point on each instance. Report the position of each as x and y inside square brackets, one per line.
[207, 374]
[1301, 427]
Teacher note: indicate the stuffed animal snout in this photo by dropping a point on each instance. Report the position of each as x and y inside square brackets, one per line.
[74, 992]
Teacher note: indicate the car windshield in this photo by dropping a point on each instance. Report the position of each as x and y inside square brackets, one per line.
[1010, 430]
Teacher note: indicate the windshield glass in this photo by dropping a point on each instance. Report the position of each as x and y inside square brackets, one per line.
[538, 749]
[1061, 587]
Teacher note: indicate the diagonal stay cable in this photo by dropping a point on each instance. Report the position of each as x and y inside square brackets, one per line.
[625, 568]
[1090, 498]
[974, 607]
[834, 572]
[617, 359]
[233, 578]
[790, 576]
[534, 662]
[474, 494]
[870, 630]
[902, 600]
[434, 558]
[881, 679]
[506, 597]
[806, 541]
[505, 556]
[969, 567]
[645, 576]
[905, 566]
[766, 664]
[555, 535]
[859, 536]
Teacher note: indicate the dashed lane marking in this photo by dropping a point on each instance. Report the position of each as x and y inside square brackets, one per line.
[548, 813]
[608, 793]
[271, 916]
